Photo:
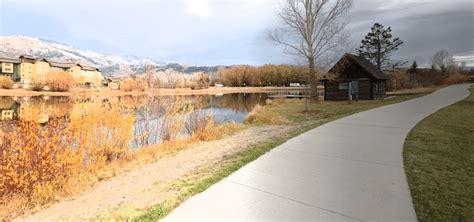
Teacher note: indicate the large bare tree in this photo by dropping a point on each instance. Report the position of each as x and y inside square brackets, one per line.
[310, 29]
[442, 59]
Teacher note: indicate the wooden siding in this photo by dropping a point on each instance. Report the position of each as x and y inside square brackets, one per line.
[332, 91]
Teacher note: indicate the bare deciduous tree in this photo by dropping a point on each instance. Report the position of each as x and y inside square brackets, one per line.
[442, 59]
[309, 29]
[149, 76]
[172, 78]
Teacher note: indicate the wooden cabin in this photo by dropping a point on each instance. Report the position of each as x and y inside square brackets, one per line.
[356, 77]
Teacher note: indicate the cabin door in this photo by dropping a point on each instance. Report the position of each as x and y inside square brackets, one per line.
[354, 89]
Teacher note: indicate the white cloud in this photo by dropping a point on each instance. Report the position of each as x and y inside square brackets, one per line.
[199, 8]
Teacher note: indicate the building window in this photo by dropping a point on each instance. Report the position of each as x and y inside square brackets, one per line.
[343, 86]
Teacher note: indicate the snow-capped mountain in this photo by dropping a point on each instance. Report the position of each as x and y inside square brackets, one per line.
[13, 46]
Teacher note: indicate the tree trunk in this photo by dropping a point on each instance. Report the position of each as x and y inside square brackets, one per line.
[313, 82]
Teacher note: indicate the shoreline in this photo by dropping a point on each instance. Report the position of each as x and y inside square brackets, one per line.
[152, 92]
[106, 92]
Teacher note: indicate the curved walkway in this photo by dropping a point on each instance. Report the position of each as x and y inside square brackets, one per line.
[347, 170]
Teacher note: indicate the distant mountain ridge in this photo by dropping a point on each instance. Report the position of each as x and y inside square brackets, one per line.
[110, 65]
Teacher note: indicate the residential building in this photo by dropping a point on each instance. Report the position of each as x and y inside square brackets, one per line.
[10, 67]
[27, 67]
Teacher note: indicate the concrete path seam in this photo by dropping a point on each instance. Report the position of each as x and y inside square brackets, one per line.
[293, 200]
[340, 158]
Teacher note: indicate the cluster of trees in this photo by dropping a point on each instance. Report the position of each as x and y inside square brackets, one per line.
[266, 75]
[442, 61]
[444, 70]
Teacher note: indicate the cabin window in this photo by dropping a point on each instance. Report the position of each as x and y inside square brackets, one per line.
[343, 86]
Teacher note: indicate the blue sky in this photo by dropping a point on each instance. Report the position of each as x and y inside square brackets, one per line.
[200, 32]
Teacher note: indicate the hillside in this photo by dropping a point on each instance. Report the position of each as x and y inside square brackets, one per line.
[111, 65]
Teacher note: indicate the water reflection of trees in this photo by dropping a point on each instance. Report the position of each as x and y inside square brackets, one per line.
[237, 102]
[151, 112]
[6, 102]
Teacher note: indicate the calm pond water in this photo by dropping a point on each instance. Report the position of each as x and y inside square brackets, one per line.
[150, 111]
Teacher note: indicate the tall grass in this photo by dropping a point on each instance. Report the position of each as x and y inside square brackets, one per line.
[174, 119]
[263, 115]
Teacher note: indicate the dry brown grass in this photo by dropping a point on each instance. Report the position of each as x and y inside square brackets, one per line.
[261, 115]
[6, 82]
[37, 85]
[201, 125]
[133, 84]
[60, 81]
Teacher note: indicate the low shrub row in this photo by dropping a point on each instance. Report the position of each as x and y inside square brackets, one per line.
[59, 81]
[133, 84]
[403, 79]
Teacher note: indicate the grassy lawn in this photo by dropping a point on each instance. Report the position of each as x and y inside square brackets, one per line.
[292, 113]
[439, 163]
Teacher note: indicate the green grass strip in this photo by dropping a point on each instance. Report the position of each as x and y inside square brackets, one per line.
[439, 164]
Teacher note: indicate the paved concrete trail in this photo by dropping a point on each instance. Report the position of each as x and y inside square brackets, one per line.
[350, 169]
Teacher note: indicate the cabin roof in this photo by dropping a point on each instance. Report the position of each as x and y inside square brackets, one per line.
[364, 64]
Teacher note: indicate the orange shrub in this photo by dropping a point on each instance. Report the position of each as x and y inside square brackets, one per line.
[6, 82]
[41, 162]
[60, 81]
[455, 78]
[34, 157]
[133, 84]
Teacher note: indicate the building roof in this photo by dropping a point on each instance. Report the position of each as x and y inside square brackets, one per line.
[364, 64]
[41, 59]
[27, 57]
[90, 68]
[12, 60]
[61, 65]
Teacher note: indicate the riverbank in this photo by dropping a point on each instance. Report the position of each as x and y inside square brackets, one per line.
[154, 92]
[159, 193]
[439, 163]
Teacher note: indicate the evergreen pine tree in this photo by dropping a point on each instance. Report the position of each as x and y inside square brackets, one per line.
[377, 46]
